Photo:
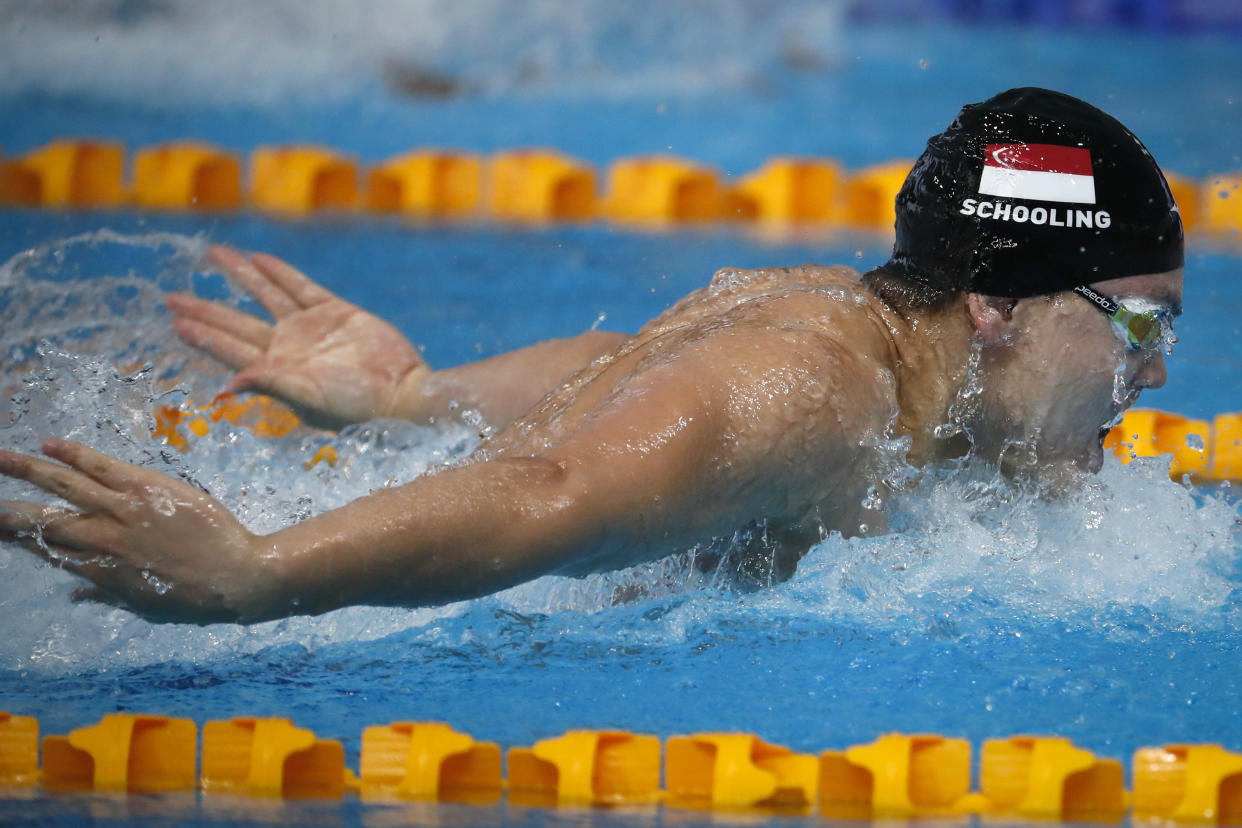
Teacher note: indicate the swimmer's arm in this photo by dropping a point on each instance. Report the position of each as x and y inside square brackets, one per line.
[632, 486]
[622, 491]
[344, 365]
[503, 387]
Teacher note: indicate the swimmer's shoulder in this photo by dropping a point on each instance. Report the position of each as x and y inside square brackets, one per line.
[731, 287]
[808, 275]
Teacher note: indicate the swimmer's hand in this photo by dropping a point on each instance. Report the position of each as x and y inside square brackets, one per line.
[321, 353]
[154, 543]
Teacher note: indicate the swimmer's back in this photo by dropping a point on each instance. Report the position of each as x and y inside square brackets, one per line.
[731, 287]
[813, 331]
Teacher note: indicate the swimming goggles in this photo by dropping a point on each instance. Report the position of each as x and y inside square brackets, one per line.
[1138, 330]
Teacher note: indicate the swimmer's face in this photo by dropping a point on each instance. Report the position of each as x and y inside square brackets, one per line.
[1062, 376]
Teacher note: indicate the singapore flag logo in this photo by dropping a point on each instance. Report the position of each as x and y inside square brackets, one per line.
[1040, 172]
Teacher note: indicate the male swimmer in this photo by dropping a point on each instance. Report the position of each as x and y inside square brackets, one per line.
[1036, 271]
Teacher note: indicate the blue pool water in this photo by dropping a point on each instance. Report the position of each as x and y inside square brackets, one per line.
[1112, 616]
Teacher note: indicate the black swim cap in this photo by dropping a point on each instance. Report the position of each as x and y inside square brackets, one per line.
[1032, 192]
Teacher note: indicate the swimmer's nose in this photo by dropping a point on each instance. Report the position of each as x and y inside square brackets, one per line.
[1153, 373]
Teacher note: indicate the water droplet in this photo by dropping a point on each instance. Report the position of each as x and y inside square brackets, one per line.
[160, 587]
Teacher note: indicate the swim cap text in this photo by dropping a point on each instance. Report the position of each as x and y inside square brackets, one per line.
[1050, 216]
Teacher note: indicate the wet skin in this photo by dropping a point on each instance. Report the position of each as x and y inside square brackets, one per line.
[759, 400]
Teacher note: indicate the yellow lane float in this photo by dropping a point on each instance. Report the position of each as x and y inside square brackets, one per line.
[1188, 783]
[539, 185]
[186, 175]
[796, 190]
[528, 185]
[428, 760]
[123, 753]
[586, 767]
[1222, 204]
[67, 173]
[299, 180]
[427, 184]
[662, 189]
[1050, 778]
[896, 777]
[19, 751]
[272, 758]
[1209, 452]
[738, 770]
[870, 193]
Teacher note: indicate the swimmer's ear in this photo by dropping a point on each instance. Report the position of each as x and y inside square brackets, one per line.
[992, 317]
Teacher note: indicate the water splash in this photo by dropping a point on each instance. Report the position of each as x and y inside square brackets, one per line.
[967, 552]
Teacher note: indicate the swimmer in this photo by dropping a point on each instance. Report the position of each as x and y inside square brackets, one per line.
[1018, 331]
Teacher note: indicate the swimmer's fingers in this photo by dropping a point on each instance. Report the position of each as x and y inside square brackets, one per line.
[77, 487]
[230, 348]
[215, 315]
[57, 533]
[257, 283]
[110, 579]
[104, 469]
[26, 520]
[296, 284]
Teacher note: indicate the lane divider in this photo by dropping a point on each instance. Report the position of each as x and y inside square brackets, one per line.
[529, 185]
[1209, 452]
[898, 776]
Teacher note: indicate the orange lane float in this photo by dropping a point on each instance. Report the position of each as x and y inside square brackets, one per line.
[124, 752]
[427, 183]
[428, 760]
[539, 185]
[1222, 205]
[795, 190]
[19, 751]
[586, 767]
[738, 771]
[1209, 452]
[271, 757]
[67, 173]
[1050, 778]
[870, 193]
[186, 175]
[527, 185]
[663, 189]
[299, 180]
[898, 777]
[1188, 783]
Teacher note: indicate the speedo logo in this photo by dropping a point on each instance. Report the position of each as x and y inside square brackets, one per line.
[1050, 216]
[1103, 301]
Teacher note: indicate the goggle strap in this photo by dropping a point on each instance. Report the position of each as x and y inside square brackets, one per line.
[1107, 306]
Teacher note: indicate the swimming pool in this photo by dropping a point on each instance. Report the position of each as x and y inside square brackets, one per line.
[1111, 617]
